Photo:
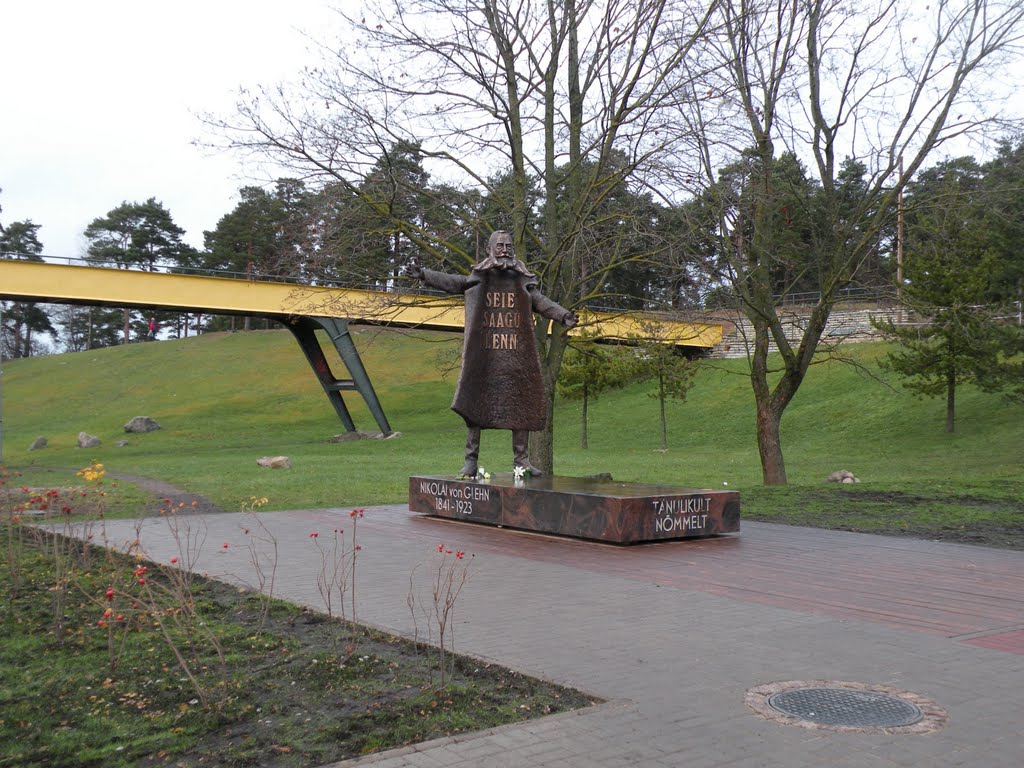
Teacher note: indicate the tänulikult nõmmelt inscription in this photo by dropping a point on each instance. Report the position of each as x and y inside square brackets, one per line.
[687, 513]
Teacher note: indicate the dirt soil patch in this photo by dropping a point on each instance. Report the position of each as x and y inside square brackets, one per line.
[994, 518]
[168, 495]
[293, 687]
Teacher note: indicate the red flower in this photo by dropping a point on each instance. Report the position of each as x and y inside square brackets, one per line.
[440, 547]
[313, 535]
[459, 554]
[358, 546]
[225, 546]
[110, 593]
[174, 560]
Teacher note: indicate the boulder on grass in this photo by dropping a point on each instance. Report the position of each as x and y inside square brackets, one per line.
[275, 462]
[85, 440]
[38, 444]
[141, 424]
[842, 476]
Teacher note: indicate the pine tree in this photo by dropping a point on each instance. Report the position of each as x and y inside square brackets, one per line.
[959, 334]
[20, 240]
[589, 369]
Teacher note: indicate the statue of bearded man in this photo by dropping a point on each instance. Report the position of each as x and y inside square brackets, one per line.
[500, 386]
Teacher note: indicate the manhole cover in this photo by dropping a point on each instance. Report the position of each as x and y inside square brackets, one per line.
[835, 705]
[842, 706]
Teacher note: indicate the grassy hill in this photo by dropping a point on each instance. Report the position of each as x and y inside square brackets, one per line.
[224, 400]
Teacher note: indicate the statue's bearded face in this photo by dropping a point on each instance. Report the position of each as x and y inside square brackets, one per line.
[503, 252]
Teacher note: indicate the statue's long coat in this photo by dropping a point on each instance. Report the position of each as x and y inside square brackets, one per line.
[500, 386]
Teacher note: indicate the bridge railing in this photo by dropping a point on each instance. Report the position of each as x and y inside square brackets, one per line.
[883, 294]
[389, 285]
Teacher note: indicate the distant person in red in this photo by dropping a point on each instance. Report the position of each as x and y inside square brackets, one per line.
[500, 386]
[152, 329]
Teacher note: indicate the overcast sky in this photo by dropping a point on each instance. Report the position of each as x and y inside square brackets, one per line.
[99, 101]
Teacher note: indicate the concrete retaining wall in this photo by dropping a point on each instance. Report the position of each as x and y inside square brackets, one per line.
[844, 325]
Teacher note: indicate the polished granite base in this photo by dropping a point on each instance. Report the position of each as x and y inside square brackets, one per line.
[602, 510]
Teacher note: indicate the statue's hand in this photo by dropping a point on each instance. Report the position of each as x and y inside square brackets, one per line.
[570, 319]
[414, 270]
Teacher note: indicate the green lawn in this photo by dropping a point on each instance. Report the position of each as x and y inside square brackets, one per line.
[224, 400]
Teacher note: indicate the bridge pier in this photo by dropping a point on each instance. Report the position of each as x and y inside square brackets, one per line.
[304, 330]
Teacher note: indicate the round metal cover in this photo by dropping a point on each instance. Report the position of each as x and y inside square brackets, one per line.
[845, 707]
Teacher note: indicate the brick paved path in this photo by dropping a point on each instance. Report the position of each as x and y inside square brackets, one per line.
[673, 635]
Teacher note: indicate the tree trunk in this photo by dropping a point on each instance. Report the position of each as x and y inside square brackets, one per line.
[950, 398]
[769, 445]
[127, 325]
[542, 444]
[15, 345]
[661, 401]
[583, 427]
[770, 405]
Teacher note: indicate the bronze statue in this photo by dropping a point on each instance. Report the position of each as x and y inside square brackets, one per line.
[500, 386]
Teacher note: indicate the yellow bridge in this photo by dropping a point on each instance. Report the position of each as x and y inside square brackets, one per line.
[303, 310]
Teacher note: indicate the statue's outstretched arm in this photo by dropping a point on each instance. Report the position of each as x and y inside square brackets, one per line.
[545, 307]
[442, 281]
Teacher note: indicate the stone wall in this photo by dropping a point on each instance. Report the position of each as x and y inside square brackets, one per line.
[844, 325]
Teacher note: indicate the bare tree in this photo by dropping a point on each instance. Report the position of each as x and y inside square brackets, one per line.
[876, 85]
[576, 96]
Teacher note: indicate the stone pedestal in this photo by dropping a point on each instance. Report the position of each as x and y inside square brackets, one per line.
[602, 510]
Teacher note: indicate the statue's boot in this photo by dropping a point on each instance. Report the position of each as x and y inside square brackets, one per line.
[521, 451]
[472, 452]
